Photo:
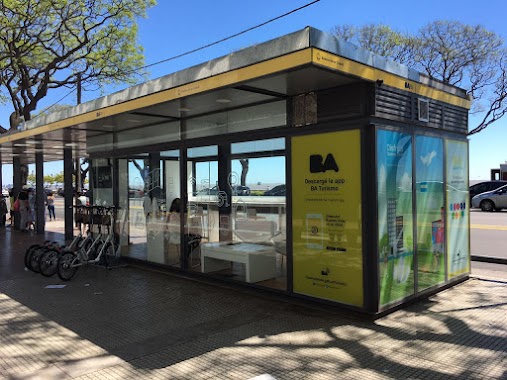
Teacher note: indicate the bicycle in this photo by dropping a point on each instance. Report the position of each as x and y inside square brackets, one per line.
[35, 253]
[30, 251]
[101, 250]
[48, 261]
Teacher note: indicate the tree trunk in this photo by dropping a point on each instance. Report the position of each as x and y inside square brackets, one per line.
[14, 120]
[244, 171]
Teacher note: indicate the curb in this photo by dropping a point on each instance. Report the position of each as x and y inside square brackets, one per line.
[492, 260]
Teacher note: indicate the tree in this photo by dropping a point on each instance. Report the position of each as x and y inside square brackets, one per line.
[470, 57]
[380, 39]
[49, 44]
[244, 171]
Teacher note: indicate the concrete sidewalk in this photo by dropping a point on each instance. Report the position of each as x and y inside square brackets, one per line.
[132, 323]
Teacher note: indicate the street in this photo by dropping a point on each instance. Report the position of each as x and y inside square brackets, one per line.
[488, 233]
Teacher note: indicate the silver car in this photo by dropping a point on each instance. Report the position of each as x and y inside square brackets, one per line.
[491, 200]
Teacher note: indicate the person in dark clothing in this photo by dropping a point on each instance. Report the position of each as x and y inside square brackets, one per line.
[50, 201]
[3, 211]
[11, 210]
[24, 208]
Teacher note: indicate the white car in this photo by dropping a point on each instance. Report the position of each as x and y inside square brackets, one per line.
[491, 200]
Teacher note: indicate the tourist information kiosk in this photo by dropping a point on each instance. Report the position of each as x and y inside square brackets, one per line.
[303, 165]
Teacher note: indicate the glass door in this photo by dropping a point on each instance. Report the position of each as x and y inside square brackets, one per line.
[204, 195]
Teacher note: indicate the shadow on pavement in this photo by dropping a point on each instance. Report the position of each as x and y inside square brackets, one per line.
[135, 323]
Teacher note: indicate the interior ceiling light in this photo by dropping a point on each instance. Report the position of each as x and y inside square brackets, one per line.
[223, 100]
[71, 144]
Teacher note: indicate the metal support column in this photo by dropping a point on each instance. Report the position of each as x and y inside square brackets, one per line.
[225, 193]
[68, 190]
[39, 193]
[16, 183]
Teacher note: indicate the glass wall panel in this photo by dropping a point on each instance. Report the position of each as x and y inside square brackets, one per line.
[395, 219]
[152, 183]
[458, 239]
[154, 134]
[429, 176]
[100, 143]
[238, 230]
[201, 219]
[102, 181]
[136, 189]
[244, 119]
[170, 198]
[259, 216]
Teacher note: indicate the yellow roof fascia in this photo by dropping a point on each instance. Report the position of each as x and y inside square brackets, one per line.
[272, 66]
[347, 66]
[275, 65]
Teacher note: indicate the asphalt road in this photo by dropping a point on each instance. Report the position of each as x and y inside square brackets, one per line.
[488, 231]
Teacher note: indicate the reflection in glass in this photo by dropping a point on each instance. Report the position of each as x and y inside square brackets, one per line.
[394, 178]
[241, 231]
[430, 211]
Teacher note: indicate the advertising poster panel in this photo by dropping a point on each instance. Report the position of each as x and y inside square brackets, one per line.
[458, 239]
[395, 220]
[429, 182]
[326, 204]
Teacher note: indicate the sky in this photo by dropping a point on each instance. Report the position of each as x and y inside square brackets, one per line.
[175, 27]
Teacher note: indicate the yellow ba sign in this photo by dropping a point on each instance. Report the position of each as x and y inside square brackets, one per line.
[326, 204]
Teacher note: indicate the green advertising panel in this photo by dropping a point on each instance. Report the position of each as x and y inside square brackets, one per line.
[458, 238]
[395, 219]
[326, 216]
[429, 182]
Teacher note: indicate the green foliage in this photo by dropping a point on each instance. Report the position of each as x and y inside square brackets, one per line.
[470, 57]
[47, 44]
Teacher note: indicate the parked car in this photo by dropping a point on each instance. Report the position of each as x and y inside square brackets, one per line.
[61, 192]
[236, 190]
[207, 191]
[276, 191]
[491, 200]
[483, 187]
[240, 190]
[135, 193]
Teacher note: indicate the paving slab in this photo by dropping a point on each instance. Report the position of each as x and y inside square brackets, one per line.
[133, 323]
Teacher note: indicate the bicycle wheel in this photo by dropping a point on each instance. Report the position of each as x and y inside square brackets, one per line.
[109, 255]
[28, 254]
[35, 259]
[64, 267]
[48, 263]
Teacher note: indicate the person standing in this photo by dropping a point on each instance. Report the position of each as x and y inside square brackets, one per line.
[32, 209]
[11, 210]
[50, 202]
[3, 211]
[24, 208]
